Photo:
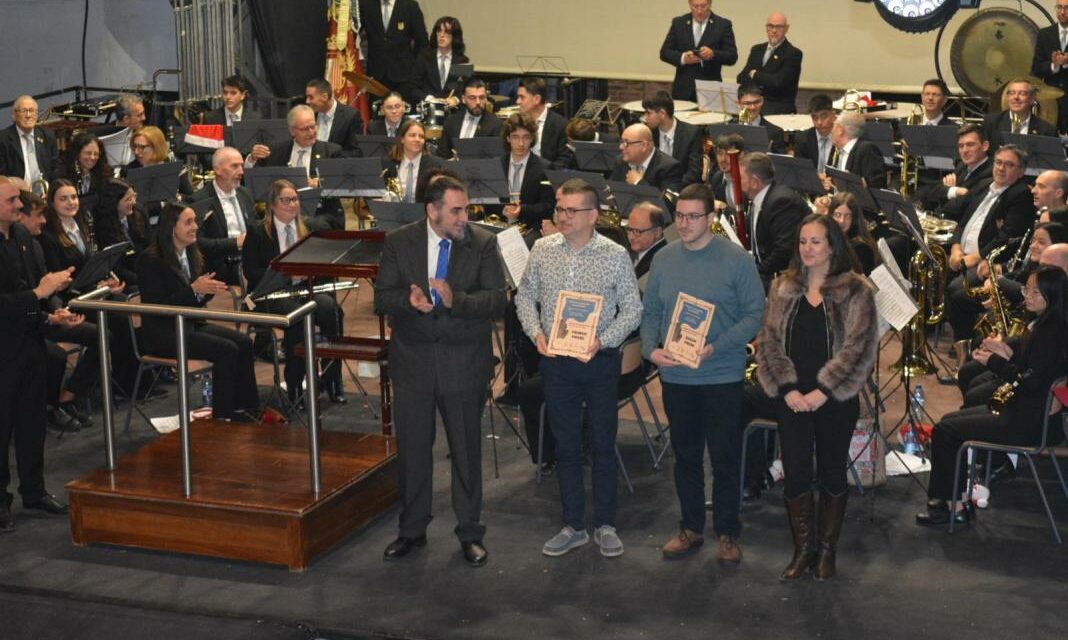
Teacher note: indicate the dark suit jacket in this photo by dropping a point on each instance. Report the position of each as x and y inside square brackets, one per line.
[718, 36]
[13, 164]
[221, 253]
[489, 126]
[163, 284]
[426, 163]
[537, 199]
[778, 79]
[457, 340]
[866, 161]
[429, 76]
[776, 229]
[346, 127]
[58, 257]
[663, 172]
[378, 127]
[718, 182]
[686, 149]
[257, 252]
[218, 116]
[391, 49]
[20, 311]
[998, 123]
[936, 195]
[554, 139]
[807, 145]
[330, 214]
[642, 266]
[1011, 216]
[1048, 41]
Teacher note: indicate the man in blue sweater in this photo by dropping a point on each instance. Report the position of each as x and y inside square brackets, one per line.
[704, 404]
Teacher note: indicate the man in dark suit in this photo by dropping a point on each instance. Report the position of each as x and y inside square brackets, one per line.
[680, 140]
[645, 233]
[473, 121]
[26, 150]
[1019, 95]
[441, 284]
[1050, 61]
[395, 32]
[859, 157]
[814, 144]
[222, 227]
[775, 67]
[234, 94]
[22, 369]
[641, 163]
[392, 110]
[720, 179]
[933, 102]
[972, 168]
[774, 215]
[698, 44]
[532, 98]
[751, 99]
[303, 150]
[335, 122]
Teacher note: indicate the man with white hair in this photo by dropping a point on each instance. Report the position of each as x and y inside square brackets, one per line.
[859, 157]
[26, 150]
[223, 225]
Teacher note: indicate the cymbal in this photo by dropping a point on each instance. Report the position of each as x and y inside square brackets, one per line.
[366, 83]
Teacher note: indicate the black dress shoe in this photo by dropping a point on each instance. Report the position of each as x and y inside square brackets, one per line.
[751, 494]
[475, 554]
[72, 409]
[60, 420]
[337, 396]
[402, 546]
[48, 504]
[938, 516]
[1003, 473]
[7, 521]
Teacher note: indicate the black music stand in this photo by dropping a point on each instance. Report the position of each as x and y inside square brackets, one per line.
[391, 215]
[596, 156]
[902, 216]
[327, 248]
[755, 137]
[881, 134]
[627, 195]
[558, 177]
[155, 183]
[1046, 152]
[374, 146]
[351, 177]
[479, 148]
[203, 209]
[99, 266]
[486, 182]
[461, 71]
[797, 173]
[270, 282]
[936, 145]
[248, 133]
[259, 179]
[309, 200]
[845, 181]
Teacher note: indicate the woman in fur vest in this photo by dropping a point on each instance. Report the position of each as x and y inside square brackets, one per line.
[815, 351]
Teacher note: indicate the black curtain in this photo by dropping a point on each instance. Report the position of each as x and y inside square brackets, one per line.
[291, 35]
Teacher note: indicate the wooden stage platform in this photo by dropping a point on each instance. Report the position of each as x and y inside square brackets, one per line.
[251, 498]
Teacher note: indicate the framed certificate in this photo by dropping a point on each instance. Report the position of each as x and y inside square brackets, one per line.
[575, 324]
[689, 326]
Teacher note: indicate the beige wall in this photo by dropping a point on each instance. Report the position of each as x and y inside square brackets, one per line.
[846, 43]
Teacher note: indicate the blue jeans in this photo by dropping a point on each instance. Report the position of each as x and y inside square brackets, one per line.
[569, 384]
[709, 416]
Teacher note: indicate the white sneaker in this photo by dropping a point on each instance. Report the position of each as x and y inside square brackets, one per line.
[565, 541]
[607, 539]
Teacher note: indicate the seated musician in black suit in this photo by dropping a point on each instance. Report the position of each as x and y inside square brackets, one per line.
[171, 271]
[86, 165]
[408, 160]
[720, 179]
[281, 228]
[532, 97]
[645, 234]
[859, 157]
[530, 200]
[774, 217]
[433, 64]
[26, 150]
[933, 102]
[224, 226]
[120, 218]
[642, 163]
[234, 94]
[774, 66]
[1017, 118]
[972, 168]
[336, 123]
[814, 144]
[680, 140]
[392, 109]
[473, 121]
[751, 99]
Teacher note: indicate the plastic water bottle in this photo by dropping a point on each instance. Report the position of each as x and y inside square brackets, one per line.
[909, 442]
[206, 389]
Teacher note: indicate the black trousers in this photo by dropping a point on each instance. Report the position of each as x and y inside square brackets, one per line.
[963, 311]
[977, 383]
[86, 373]
[55, 368]
[328, 317]
[828, 430]
[22, 418]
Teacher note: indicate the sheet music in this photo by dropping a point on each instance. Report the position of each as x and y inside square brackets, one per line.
[894, 303]
[891, 264]
[728, 228]
[713, 95]
[514, 252]
[116, 146]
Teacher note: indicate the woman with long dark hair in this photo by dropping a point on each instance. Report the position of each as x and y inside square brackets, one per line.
[86, 165]
[171, 271]
[120, 218]
[447, 37]
[847, 213]
[816, 349]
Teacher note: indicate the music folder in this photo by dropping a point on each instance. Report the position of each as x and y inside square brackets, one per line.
[271, 281]
[881, 134]
[486, 182]
[259, 179]
[155, 183]
[845, 181]
[627, 195]
[936, 145]
[461, 71]
[309, 200]
[755, 137]
[902, 215]
[477, 148]
[391, 215]
[374, 146]
[797, 173]
[248, 133]
[99, 267]
[351, 177]
[203, 209]
[1046, 152]
[596, 156]
[117, 147]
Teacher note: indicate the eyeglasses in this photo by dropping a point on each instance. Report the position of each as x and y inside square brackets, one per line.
[140, 147]
[631, 231]
[25, 111]
[690, 217]
[774, 27]
[307, 129]
[571, 213]
[1008, 164]
[289, 200]
[627, 143]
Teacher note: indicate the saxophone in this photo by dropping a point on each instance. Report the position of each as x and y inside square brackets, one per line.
[1004, 394]
[997, 320]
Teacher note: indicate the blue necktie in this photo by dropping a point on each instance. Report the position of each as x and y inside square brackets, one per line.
[442, 269]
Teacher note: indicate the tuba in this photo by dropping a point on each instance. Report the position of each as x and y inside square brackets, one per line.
[928, 284]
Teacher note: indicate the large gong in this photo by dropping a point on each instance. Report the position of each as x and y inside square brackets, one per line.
[992, 47]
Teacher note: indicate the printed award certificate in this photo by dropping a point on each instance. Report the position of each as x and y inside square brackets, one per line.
[689, 326]
[575, 324]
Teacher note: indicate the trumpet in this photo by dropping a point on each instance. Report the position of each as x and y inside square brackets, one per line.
[910, 168]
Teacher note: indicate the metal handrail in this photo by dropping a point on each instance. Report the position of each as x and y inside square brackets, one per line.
[91, 302]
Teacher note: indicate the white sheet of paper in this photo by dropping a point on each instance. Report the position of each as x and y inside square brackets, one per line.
[894, 303]
[515, 253]
[942, 164]
[891, 264]
[728, 228]
[115, 146]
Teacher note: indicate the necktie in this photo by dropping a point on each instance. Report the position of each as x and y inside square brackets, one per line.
[237, 213]
[821, 162]
[76, 237]
[391, 132]
[290, 235]
[728, 189]
[126, 229]
[184, 261]
[442, 269]
[517, 177]
[442, 74]
[665, 144]
[323, 132]
[30, 149]
[1064, 39]
[300, 157]
[386, 6]
[409, 183]
[977, 222]
[750, 221]
[234, 118]
[1017, 127]
[767, 55]
[698, 31]
[469, 127]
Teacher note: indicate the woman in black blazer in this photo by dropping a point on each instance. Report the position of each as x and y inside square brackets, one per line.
[449, 41]
[531, 200]
[282, 226]
[171, 271]
[121, 219]
[409, 147]
[86, 165]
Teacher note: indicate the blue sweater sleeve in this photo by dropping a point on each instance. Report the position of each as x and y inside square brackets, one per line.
[750, 293]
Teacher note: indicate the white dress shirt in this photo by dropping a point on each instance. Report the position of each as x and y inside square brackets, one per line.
[469, 126]
[402, 175]
[969, 238]
[235, 219]
[29, 155]
[843, 154]
[432, 248]
[541, 129]
[669, 138]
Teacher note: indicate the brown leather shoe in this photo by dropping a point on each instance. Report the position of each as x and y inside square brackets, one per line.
[683, 544]
[730, 552]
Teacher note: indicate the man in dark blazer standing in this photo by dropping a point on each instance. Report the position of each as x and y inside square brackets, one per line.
[698, 44]
[335, 122]
[641, 163]
[532, 98]
[680, 140]
[1050, 61]
[441, 284]
[22, 369]
[24, 139]
[775, 67]
[223, 226]
[303, 150]
[859, 157]
[473, 121]
[1019, 96]
[396, 32]
[775, 214]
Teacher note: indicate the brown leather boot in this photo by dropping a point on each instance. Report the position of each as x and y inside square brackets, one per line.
[683, 544]
[799, 510]
[832, 512]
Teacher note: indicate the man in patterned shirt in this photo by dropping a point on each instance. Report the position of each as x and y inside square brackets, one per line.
[579, 259]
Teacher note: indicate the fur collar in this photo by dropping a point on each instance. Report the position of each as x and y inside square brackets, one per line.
[835, 288]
